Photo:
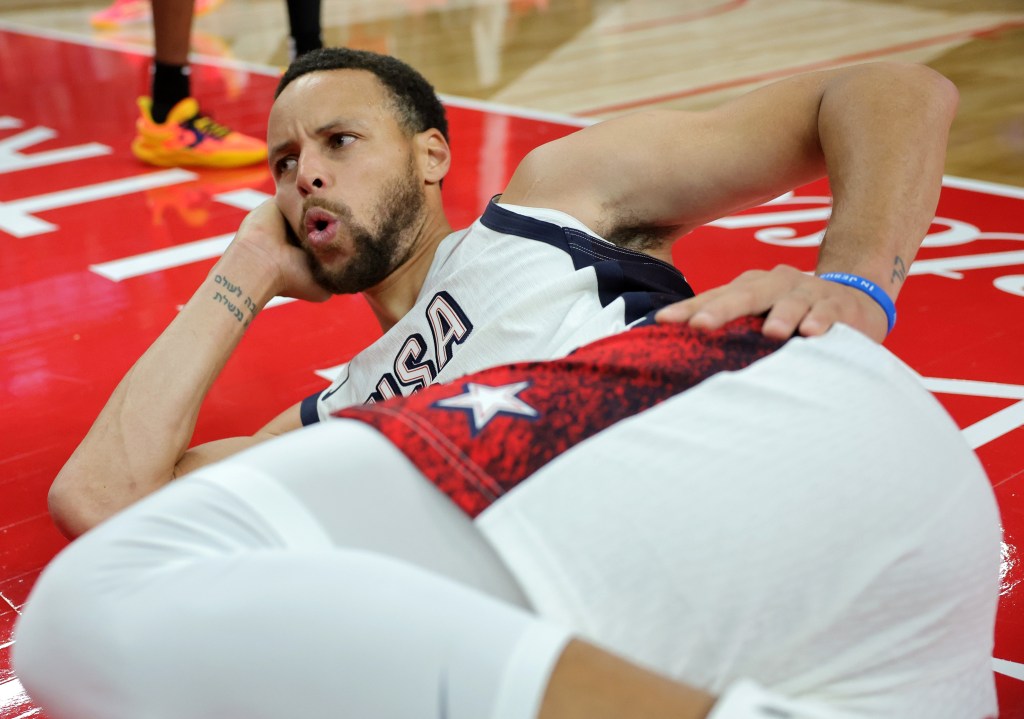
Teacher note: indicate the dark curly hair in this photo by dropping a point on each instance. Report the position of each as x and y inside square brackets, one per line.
[416, 104]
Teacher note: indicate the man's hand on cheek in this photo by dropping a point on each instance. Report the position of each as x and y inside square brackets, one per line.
[267, 241]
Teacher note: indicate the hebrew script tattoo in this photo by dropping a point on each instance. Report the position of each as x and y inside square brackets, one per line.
[899, 270]
[233, 299]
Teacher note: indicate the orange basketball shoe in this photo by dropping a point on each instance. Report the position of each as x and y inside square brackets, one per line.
[128, 12]
[190, 139]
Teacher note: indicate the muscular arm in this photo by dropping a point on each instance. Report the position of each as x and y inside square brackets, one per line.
[878, 131]
[139, 441]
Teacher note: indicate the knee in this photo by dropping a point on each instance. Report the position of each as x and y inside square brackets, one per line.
[67, 639]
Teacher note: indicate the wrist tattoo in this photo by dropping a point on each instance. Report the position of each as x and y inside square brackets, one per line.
[233, 299]
[899, 270]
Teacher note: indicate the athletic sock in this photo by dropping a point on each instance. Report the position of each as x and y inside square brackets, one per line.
[170, 86]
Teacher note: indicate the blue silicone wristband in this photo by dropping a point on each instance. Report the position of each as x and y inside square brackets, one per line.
[870, 289]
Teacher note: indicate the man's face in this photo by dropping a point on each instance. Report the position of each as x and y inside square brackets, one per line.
[346, 177]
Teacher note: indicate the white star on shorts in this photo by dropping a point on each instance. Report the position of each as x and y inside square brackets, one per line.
[484, 403]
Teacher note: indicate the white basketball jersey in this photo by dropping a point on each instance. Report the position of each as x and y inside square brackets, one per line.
[519, 284]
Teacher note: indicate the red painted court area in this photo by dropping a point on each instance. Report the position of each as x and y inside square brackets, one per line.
[100, 251]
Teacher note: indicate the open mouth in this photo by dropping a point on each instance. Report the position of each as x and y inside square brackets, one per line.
[321, 226]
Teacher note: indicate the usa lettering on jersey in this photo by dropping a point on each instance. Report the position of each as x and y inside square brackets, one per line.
[418, 362]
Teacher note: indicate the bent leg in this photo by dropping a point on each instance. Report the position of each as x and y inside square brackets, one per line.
[232, 592]
[362, 493]
[814, 522]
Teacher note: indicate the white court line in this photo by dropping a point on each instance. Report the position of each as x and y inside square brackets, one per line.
[278, 301]
[169, 257]
[734, 222]
[470, 103]
[101, 190]
[136, 265]
[11, 691]
[274, 302]
[16, 216]
[950, 267]
[974, 388]
[995, 425]
[133, 48]
[983, 186]
[1008, 668]
[244, 199]
[11, 160]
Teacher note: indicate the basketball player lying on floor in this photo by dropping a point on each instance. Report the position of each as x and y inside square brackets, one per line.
[578, 247]
[358, 163]
[666, 523]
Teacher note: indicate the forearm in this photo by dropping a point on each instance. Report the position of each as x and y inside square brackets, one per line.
[883, 130]
[589, 683]
[145, 428]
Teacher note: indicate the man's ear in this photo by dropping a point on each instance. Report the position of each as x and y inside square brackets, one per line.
[434, 155]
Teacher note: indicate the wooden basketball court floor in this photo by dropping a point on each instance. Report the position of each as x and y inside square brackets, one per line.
[98, 251]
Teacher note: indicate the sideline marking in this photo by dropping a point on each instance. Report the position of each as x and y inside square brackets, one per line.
[823, 64]
[679, 19]
[275, 72]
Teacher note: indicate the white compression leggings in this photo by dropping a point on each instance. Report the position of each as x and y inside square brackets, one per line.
[282, 584]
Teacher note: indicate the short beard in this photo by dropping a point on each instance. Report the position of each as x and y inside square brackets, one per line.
[375, 254]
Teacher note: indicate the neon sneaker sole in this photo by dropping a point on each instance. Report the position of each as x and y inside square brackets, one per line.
[188, 138]
[166, 157]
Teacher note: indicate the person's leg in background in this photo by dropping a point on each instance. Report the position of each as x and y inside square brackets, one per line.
[304, 22]
[171, 130]
[172, 38]
[121, 13]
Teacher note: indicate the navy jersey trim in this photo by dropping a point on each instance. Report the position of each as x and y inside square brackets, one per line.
[645, 283]
[307, 410]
